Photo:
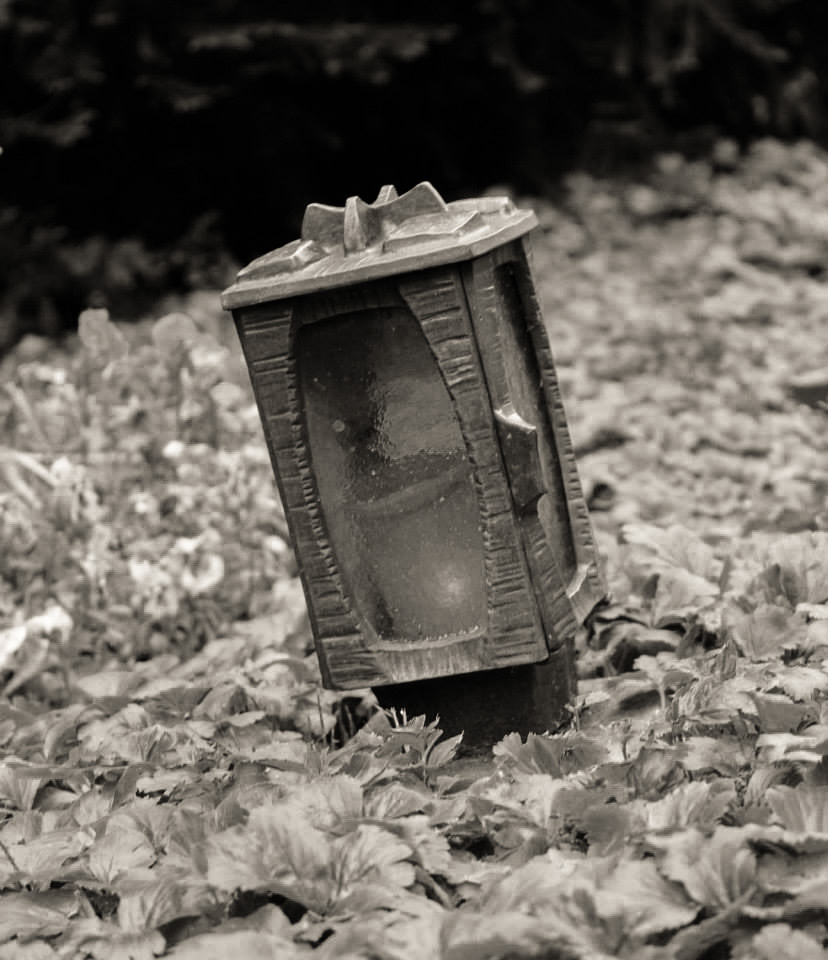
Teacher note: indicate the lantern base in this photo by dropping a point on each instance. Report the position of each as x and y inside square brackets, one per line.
[486, 705]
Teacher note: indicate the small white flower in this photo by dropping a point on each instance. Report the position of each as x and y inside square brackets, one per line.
[173, 450]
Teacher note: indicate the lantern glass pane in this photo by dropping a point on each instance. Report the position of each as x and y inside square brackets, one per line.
[395, 484]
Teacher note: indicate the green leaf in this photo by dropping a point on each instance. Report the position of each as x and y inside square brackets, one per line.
[553, 755]
[18, 789]
[803, 809]
[109, 683]
[803, 748]
[29, 915]
[799, 682]
[696, 804]
[173, 333]
[654, 550]
[387, 936]
[392, 800]
[765, 633]
[650, 904]
[716, 870]
[777, 714]
[117, 852]
[443, 752]
[156, 903]
[327, 802]
[246, 944]
[725, 755]
[102, 940]
[802, 564]
[680, 593]
[539, 754]
[475, 936]
[276, 850]
[100, 336]
[779, 941]
[607, 827]
[37, 860]
[265, 933]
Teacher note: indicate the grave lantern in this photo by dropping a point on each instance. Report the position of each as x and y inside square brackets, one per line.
[410, 406]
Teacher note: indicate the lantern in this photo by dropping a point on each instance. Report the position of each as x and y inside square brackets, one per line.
[411, 409]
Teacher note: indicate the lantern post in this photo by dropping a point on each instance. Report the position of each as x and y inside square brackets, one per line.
[410, 405]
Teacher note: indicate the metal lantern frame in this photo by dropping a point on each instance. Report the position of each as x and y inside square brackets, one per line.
[461, 272]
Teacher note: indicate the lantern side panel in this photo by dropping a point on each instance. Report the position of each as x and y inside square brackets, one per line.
[438, 300]
[266, 333]
[526, 439]
[587, 587]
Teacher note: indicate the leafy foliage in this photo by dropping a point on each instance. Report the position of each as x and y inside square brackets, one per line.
[175, 782]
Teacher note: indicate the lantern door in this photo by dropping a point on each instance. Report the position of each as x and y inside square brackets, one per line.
[534, 436]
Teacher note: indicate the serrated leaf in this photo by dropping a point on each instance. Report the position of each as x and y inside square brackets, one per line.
[655, 770]
[39, 859]
[695, 804]
[277, 851]
[328, 801]
[109, 683]
[777, 714]
[91, 937]
[118, 851]
[767, 631]
[444, 751]
[538, 755]
[779, 941]
[725, 755]
[813, 611]
[244, 944]
[100, 336]
[654, 549]
[802, 562]
[475, 936]
[803, 809]
[17, 788]
[155, 904]
[429, 849]
[35, 950]
[63, 726]
[552, 755]
[805, 748]
[799, 682]
[680, 593]
[651, 904]
[715, 871]
[790, 863]
[28, 915]
[393, 800]
[607, 827]
[174, 332]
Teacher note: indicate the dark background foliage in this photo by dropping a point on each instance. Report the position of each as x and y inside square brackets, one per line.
[148, 145]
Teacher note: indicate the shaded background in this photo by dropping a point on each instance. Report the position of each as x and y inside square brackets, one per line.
[150, 147]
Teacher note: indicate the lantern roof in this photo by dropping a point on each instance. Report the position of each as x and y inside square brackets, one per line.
[363, 241]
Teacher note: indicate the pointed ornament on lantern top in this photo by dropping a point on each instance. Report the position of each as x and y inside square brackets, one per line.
[365, 241]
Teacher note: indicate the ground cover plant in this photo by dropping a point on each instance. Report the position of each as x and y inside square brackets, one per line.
[175, 782]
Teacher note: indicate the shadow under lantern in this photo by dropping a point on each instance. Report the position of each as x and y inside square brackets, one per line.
[410, 405]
